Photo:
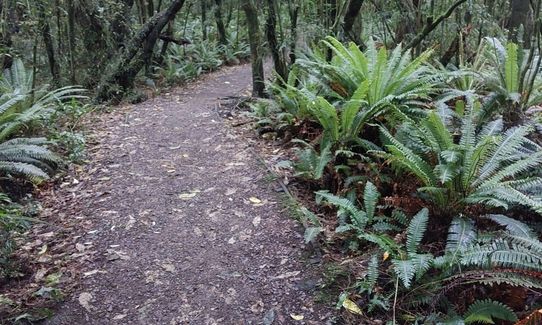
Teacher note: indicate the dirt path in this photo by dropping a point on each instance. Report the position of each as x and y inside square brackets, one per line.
[186, 230]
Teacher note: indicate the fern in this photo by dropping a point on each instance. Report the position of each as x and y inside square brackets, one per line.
[478, 168]
[416, 230]
[484, 311]
[310, 163]
[27, 158]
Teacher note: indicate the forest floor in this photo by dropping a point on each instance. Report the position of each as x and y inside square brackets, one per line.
[178, 223]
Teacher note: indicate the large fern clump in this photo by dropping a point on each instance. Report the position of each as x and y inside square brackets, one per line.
[21, 105]
[477, 163]
[355, 87]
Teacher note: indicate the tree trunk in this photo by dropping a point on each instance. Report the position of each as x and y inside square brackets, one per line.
[222, 39]
[520, 12]
[258, 85]
[45, 30]
[120, 25]
[350, 17]
[278, 60]
[135, 55]
[203, 19]
[294, 15]
[71, 40]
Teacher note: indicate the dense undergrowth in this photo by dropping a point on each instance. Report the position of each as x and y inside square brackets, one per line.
[429, 188]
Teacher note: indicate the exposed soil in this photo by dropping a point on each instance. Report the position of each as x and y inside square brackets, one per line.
[181, 223]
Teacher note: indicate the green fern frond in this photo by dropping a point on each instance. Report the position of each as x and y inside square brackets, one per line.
[405, 270]
[461, 234]
[416, 230]
[370, 199]
[484, 311]
[24, 170]
[513, 226]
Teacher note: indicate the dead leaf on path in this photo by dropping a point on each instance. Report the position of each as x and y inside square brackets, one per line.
[168, 267]
[113, 255]
[119, 317]
[256, 202]
[257, 308]
[42, 250]
[80, 247]
[40, 274]
[189, 195]
[286, 275]
[91, 273]
[297, 317]
[352, 307]
[130, 223]
[231, 191]
[84, 300]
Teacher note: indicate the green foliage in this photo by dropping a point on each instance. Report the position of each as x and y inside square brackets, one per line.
[311, 164]
[476, 164]
[512, 75]
[27, 158]
[355, 87]
[21, 105]
[11, 221]
[484, 311]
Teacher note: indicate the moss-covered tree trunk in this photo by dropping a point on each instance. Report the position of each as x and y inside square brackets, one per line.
[258, 85]
[135, 55]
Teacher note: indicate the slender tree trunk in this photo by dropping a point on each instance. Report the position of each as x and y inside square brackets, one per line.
[71, 40]
[222, 39]
[278, 60]
[150, 8]
[45, 30]
[203, 19]
[350, 17]
[258, 85]
[294, 15]
[136, 54]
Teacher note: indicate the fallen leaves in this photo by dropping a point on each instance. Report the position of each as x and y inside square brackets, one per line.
[286, 275]
[189, 195]
[84, 300]
[352, 307]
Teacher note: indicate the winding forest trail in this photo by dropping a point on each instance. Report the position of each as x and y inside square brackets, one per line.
[186, 230]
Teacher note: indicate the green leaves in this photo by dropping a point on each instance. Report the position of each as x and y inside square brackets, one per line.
[484, 311]
[481, 168]
[416, 230]
[511, 69]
